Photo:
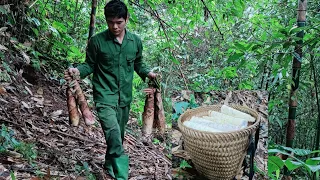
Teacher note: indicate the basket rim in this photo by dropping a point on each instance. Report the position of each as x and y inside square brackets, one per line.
[252, 126]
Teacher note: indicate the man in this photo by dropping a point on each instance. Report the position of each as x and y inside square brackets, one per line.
[112, 56]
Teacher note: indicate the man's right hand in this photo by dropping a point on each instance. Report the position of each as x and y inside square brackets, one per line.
[71, 72]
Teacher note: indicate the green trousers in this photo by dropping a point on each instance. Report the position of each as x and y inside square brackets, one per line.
[113, 121]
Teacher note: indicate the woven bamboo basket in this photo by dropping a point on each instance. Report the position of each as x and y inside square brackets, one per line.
[217, 156]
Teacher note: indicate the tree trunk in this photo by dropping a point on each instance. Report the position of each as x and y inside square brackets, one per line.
[318, 104]
[92, 18]
[296, 66]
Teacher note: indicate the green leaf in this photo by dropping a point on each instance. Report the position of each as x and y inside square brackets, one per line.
[229, 72]
[184, 164]
[152, 5]
[314, 168]
[36, 21]
[173, 59]
[13, 177]
[291, 165]
[36, 32]
[179, 108]
[297, 29]
[315, 151]
[241, 46]
[264, 36]
[234, 57]
[274, 165]
[313, 161]
[59, 26]
[54, 30]
[3, 10]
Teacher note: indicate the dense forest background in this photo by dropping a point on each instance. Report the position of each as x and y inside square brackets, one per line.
[195, 45]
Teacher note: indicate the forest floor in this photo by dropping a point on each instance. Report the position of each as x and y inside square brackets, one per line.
[256, 100]
[37, 114]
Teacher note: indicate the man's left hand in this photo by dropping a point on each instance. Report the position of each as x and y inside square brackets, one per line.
[152, 75]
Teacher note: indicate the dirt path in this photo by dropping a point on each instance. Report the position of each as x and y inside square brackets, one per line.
[38, 114]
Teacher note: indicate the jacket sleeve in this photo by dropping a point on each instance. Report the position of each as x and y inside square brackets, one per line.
[139, 66]
[91, 53]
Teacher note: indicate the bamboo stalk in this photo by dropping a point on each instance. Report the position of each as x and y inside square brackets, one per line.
[296, 67]
[318, 105]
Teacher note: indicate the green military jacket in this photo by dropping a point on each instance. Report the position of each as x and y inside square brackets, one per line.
[112, 65]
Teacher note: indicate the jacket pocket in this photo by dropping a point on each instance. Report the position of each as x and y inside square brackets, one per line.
[130, 63]
[107, 61]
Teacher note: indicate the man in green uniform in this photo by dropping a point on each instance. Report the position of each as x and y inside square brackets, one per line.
[112, 56]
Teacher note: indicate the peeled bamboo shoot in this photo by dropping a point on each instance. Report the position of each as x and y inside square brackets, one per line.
[209, 125]
[199, 127]
[223, 118]
[235, 113]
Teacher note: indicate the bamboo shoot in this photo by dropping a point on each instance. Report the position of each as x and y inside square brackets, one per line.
[148, 114]
[82, 102]
[72, 108]
[159, 117]
[235, 113]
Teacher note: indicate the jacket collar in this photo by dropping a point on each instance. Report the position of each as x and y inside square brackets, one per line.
[127, 36]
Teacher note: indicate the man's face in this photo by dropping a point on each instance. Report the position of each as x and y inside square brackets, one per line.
[116, 25]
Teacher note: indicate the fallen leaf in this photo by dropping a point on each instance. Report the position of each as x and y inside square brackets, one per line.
[38, 100]
[176, 136]
[2, 47]
[2, 100]
[2, 90]
[173, 150]
[25, 56]
[208, 100]
[40, 91]
[186, 94]
[181, 153]
[56, 114]
[29, 91]
[27, 44]
[25, 105]
[3, 29]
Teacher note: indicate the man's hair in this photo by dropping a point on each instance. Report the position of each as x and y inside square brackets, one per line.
[115, 9]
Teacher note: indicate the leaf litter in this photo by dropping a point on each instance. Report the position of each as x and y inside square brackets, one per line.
[38, 114]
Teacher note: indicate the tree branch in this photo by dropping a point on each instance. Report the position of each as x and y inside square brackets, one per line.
[158, 18]
[212, 18]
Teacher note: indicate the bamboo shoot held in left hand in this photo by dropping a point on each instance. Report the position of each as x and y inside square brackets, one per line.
[148, 114]
[160, 121]
[82, 102]
[72, 108]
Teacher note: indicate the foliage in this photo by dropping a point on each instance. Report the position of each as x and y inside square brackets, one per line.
[184, 164]
[156, 141]
[84, 169]
[195, 45]
[7, 141]
[180, 107]
[299, 161]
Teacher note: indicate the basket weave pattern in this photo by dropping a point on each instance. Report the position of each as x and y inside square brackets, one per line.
[216, 155]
